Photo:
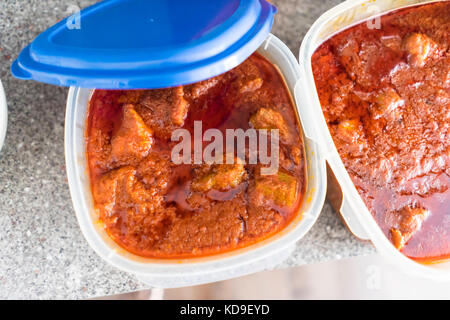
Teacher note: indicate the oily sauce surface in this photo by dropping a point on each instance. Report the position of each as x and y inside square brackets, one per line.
[155, 208]
[385, 94]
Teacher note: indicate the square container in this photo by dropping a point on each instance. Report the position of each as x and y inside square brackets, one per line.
[194, 271]
[342, 192]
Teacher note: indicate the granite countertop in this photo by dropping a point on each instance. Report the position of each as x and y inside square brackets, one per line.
[43, 254]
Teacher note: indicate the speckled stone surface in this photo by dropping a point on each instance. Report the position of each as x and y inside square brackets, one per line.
[43, 254]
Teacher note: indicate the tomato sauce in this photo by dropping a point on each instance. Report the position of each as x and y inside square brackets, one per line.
[385, 94]
[155, 208]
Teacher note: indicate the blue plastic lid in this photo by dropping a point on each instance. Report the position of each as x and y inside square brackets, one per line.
[131, 44]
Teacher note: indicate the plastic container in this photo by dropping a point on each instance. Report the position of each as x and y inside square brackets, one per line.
[187, 272]
[344, 195]
[145, 47]
[3, 115]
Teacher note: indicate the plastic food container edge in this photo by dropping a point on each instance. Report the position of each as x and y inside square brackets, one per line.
[353, 210]
[176, 273]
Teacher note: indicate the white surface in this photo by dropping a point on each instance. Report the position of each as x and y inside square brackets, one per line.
[353, 209]
[358, 278]
[188, 272]
[3, 115]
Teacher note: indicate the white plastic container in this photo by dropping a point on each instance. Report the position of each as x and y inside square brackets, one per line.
[187, 272]
[3, 115]
[352, 208]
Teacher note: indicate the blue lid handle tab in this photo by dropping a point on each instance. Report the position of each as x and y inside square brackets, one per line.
[138, 44]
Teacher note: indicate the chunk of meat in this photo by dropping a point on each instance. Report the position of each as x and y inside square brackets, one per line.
[120, 189]
[349, 58]
[387, 102]
[280, 188]
[251, 85]
[164, 110]
[156, 170]
[101, 156]
[419, 48]
[133, 140]
[262, 219]
[393, 42]
[198, 89]
[339, 98]
[351, 135]
[144, 228]
[220, 176]
[349, 127]
[248, 77]
[364, 60]
[118, 194]
[221, 224]
[270, 119]
[405, 223]
[180, 107]
[106, 190]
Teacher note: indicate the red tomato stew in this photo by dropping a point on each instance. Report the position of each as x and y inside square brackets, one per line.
[385, 94]
[155, 208]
